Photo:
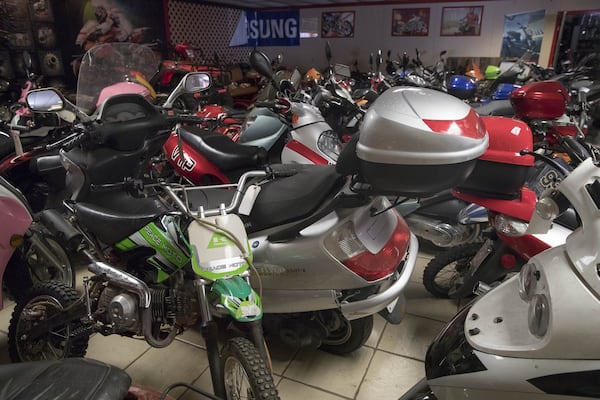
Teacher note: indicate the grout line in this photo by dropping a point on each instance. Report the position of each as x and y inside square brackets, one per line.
[317, 388]
[362, 380]
[402, 356]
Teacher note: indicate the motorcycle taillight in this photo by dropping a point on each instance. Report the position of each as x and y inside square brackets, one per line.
[344, 245]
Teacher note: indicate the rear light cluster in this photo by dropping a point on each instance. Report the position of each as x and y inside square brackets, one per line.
[344, 245]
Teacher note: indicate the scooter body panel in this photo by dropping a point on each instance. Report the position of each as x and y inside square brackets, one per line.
[15, 221]
[511, 337]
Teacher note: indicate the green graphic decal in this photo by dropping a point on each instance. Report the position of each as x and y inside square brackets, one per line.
[219, 240]
[126, 244]
[240, 300]
[160, 242]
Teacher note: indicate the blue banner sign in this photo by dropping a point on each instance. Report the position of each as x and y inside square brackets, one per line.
[268, 28]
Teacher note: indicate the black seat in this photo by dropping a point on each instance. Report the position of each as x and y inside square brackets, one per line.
[110, 226]
[292, 198]
[223, 152]
[71, 378]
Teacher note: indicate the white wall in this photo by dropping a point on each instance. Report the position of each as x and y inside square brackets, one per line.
[373, 32]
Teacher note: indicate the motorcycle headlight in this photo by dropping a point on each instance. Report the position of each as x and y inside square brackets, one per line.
[330, 144]
[510, 226]
[528, 278]
[539, 315]
[547, 208]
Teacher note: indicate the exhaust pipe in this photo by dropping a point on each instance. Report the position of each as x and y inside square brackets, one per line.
[135, 285]
[123, 280]
[481, 288]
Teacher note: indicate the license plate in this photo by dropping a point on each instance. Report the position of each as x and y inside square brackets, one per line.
[484, 251]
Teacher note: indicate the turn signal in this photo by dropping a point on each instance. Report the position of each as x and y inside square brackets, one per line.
[16, 241]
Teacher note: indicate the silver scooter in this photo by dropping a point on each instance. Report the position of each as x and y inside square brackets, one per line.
[534, 336]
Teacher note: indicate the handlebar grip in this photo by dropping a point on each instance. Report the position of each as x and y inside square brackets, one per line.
[264, 104]
[72, 143]
[18, 128]
[192, 119]
[285, 170]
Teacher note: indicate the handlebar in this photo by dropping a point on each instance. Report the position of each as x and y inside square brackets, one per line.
[191, 119]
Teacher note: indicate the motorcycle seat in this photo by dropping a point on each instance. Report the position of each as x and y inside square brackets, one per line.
[293, 198]
[110, 226]
[223, 152]
[71, 378]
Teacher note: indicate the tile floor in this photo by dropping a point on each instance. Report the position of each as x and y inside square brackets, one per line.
[389, 363]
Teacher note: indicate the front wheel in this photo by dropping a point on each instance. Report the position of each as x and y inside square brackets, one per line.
[41, 302]
[446, 271]
[245, 372]
[349, 335]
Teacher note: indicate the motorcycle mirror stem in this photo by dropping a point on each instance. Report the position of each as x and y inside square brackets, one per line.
[328, 52]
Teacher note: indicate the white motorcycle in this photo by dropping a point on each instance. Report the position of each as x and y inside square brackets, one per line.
[534, 336]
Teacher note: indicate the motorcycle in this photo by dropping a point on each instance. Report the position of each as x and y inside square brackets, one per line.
[157, 265]
[308, 214]
[510, 342]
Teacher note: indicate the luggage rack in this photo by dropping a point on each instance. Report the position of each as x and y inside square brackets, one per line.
[175, 191]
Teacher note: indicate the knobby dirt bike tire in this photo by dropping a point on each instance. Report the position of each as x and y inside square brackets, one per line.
[240, 352]
[57, 296]
[462, 255]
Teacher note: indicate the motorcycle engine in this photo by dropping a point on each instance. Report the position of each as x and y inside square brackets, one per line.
[169, 306]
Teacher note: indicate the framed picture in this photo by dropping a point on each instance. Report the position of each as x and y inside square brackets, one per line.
[410, 22]
[461, 21]
[339, 24]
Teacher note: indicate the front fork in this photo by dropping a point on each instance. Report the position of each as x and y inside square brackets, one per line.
[210, 333]
[488, 266]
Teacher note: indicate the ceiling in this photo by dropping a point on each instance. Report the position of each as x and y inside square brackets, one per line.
[298, 3]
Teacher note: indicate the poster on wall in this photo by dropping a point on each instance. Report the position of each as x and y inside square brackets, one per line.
[15, 25]
[337, 24]
[410, 22]
[267, 28]
[523, 32]
[461, 21]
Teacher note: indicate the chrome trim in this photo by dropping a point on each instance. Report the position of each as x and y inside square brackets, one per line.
[123, 280]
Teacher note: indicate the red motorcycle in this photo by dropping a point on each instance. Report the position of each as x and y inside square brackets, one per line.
[509, 191]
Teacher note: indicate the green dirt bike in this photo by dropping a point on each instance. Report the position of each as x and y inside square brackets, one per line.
[157, 266]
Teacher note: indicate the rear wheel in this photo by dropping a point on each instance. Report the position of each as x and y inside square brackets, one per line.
[245, 372]
[445, 272]
[48, 261]
[348, 335]
[41, 302]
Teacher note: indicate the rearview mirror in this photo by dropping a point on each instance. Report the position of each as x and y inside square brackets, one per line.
[196, 81]
[45, 100]
[261, 63]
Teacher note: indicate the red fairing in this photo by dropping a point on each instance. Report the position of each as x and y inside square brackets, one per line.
[527, 245]
[306, 152]
[470, 126]
[507, 138]
[521, 208]
[194, 166]
[540, 100]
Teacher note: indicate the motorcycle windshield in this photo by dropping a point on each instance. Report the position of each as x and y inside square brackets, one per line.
[110, 64]
[517, 69]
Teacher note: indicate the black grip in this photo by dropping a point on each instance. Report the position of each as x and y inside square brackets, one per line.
[191, 119]
[285, 170]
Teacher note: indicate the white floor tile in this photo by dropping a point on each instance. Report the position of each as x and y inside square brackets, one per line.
[378, 327]
[116, 350]
[336, 374]
[389, 376]
[422, 303]
[411, 337]
[290, 390]
[178, 362]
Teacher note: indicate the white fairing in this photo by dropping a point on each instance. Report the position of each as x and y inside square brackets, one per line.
[507, 379]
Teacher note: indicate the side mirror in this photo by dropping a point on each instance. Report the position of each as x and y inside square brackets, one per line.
[45, 100]
[196, 81]
[261, 63]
